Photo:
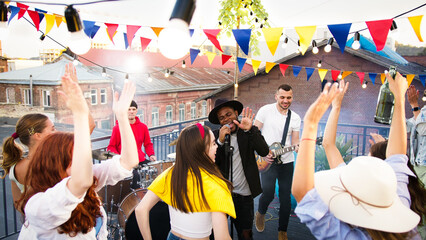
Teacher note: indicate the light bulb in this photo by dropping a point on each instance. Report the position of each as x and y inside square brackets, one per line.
[340, 76]
[166, 74]
[174, 41]
[284, 45]
[104, 74]
[364, 85]
[315, 50]
[424, 98]
[75, 62]
[319, 63]
[149, 78]
[183, 64]
[79, 42]
[356, 45]
[327, 48]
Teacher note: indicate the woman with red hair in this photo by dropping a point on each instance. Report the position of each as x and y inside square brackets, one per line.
[60, 200]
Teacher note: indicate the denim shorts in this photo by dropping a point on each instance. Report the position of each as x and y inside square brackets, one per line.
[171, 236]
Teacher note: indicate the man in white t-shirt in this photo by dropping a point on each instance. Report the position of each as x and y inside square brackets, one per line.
[271, 120]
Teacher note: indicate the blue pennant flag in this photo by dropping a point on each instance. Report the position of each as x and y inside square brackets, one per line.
[340, 33]
[242, 36]
[88, 27]
[422, 78]
[193, 54]
[94, 31]
[309, 72]
[41, 16]
[191, 32]
[241, 62]
[372, 77]
[126, 42]
[14, 10]
[296, 70]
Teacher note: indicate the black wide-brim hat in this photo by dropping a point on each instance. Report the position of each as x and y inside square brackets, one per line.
[220, 103]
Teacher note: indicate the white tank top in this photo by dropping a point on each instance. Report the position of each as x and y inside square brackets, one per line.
[193, 225]
[13, 178]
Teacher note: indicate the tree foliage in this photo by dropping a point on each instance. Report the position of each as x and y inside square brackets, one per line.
[243, 14]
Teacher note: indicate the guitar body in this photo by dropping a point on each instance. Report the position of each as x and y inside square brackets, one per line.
[262, 164]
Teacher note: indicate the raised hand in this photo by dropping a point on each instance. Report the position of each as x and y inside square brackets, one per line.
[70, 70]
[121, 103]
[73, 96]
[247, 120]
[337, 102]
[413, 96]
[318, 108]
[376, 138]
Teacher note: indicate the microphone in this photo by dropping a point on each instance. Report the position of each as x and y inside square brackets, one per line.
[227, 137]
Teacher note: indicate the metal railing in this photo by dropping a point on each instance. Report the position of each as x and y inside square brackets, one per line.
[10, 220]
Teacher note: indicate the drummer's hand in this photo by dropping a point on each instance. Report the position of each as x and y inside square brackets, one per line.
[152, 158]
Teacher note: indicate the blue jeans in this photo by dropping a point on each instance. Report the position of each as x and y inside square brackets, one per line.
[284, 174]
[171, 236]
[245, 214]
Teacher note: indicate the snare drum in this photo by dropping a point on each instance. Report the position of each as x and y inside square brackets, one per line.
[161, 165]
[159, 219]
[112, 195]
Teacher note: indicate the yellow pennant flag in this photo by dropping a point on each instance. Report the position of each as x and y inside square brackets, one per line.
[269, 66]
[50, 21]
[345, 74]
[410, 78]
[157, 30]
[383, 77]
[272, 37]
[305, 36]
[210, 56]
[255, 64]
[322, 73]
[58, 19]
[415, 23]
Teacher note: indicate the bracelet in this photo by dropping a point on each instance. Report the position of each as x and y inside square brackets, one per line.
[308, 139]
[415, 109]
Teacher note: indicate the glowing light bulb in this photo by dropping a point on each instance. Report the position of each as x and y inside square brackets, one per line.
[174, 41]
[75, 62]
[315, 50]
[327, 48]
[79, 42]
[364, 85]
[149, 78]
[356, 45]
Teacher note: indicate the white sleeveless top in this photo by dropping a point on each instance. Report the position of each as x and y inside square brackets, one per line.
[13, 178]
[193, 225]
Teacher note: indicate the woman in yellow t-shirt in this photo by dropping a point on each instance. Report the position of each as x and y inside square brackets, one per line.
[198, 196]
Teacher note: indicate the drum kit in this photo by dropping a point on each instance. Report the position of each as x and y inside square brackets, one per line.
[120, 201]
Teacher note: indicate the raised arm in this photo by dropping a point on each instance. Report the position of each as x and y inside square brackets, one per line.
[303, 178]
[129, 153]
[413, 98]
[81, 166]
[334, 157]
[397, 142]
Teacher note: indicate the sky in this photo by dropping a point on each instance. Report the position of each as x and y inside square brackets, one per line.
[23, 40]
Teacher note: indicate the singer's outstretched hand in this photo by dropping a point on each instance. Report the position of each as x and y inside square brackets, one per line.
[247, 120]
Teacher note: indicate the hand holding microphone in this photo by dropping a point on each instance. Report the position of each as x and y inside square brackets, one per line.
[224, 131]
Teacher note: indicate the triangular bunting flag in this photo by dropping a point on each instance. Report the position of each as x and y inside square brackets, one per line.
[272, 37]
[322, 73]
[383, 77]
[212, 36]
[21, 13]
[50, 21]
[193, 53]
[241, 62]
[379, 32]
[225, 58]
[335, 74]
[111, 30]
[144, 43]
[88, 26]
[345, 74]
[340, 33]
[126, 41]
[58, 20]
[94, 31]
[210, 57]
[415, 23]
[14, 10]
[305, 36]
[191, 32]
[242, 36]
[255, 64]
[372, 77]
[23, 9]
[309, 72]
[41, 16]
[40, 10]
[36, 19]
[157, 30]
[269, 66]
[422, 78]
[361, 76]
[296, 70]
[20, 5]
[41, 13]
[131, 31]
[283, 67]
[410, 78]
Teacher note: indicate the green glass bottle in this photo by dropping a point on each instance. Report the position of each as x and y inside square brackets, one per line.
[385, 101]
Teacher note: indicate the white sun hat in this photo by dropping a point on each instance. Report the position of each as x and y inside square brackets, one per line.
[363, 193]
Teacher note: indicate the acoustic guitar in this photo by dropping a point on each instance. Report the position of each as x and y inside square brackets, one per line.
[277, 149]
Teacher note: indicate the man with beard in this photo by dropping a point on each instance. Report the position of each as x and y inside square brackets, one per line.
[240, 168]
[271, 120]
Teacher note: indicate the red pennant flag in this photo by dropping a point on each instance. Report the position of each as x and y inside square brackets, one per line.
[225, 58]
[111, 28]
[212, 36]
[20, 5]
[283, 67]
[335, 74]
[131, 30]
[379, 32]
[361, 76]
[21, 12]
[144, 43]
[35, 17]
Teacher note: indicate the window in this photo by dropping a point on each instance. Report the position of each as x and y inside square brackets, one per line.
[103, 96]
[94, 96]
[204, 108]
[154, 114]
[10, 95]
[169, 114]
[181, 112]
[46, 98]
[140, 115]
[193, 110]
[26, 94]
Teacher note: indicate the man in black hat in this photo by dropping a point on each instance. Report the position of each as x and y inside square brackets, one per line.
[239, 165]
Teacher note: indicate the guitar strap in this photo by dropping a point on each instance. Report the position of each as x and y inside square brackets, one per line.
[287, 123]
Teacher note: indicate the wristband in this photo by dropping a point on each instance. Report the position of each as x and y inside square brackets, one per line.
[309, 139]
[415, 109]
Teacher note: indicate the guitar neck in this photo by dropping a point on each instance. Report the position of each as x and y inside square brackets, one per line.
[285, 150]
